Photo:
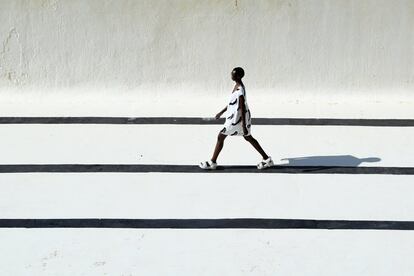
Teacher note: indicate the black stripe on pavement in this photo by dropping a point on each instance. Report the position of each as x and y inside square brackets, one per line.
[233, 223]
[157, 168]
[207, 121]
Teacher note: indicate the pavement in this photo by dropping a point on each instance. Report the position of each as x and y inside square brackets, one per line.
[128, 193]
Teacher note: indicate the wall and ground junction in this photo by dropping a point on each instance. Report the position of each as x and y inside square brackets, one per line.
[133, 58]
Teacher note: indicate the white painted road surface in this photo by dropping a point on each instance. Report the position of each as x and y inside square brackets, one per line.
[91, 251]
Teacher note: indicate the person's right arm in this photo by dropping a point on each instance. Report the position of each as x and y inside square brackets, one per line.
[221, 113]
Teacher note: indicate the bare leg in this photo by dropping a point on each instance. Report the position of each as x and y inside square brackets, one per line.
[219, 146]
[256, 145]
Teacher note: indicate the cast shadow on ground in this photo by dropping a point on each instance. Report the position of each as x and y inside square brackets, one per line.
[332, 160]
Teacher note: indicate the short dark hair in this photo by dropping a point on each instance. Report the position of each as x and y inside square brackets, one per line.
[239, 72]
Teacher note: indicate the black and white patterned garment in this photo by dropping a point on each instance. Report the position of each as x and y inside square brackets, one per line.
[233, 125]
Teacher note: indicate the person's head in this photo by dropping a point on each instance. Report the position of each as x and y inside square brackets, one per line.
[237, 74]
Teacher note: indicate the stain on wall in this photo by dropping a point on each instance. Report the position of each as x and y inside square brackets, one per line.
[12, 59]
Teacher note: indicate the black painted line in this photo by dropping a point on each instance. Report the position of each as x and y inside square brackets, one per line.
[207, 121]
[160, 168]
[228, 223]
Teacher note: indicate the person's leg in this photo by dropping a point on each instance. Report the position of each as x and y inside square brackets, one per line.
[256, 145]
[219, 146]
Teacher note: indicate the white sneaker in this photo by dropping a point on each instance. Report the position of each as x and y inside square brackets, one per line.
[208, 165]
[265, 163]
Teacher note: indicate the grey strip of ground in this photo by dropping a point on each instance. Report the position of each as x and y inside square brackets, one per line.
[225, 223]
[160, 168]
[207, 121]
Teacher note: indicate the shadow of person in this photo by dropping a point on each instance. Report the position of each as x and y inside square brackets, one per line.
[333, 160]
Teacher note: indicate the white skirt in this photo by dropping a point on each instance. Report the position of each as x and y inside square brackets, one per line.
[236, 128]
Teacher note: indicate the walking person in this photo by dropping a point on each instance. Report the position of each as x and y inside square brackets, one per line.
[238, 123]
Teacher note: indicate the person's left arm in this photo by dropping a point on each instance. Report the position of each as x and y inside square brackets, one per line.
[243, 117]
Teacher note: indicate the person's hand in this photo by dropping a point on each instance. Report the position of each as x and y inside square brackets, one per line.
[218, 115]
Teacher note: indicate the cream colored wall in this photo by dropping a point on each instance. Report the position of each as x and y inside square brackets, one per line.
[171, 46]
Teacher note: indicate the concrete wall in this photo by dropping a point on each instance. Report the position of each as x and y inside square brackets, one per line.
[302, 47]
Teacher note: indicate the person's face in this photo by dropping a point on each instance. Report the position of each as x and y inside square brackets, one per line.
[233, 75]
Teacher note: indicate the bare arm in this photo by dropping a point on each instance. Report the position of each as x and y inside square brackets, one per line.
[243, 108]
[221, 112]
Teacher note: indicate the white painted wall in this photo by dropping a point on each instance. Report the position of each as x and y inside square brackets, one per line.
[287, 47]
